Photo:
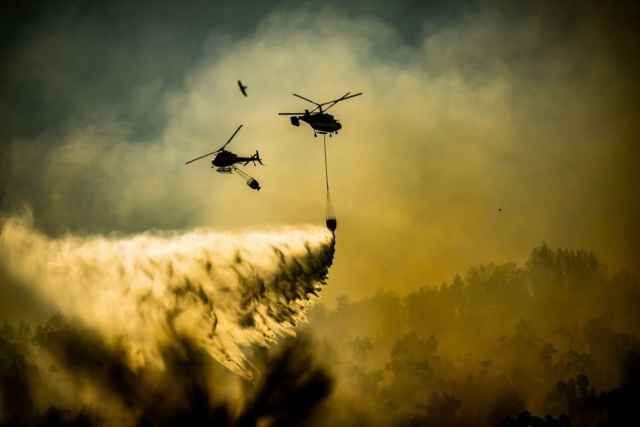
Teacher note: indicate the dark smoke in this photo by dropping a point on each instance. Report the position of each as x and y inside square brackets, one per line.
[290, 388]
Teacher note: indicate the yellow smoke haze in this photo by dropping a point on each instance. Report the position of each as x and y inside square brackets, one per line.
[449, 159]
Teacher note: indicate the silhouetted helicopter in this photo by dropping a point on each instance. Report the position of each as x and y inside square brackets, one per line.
[225, 162]
[318, 119]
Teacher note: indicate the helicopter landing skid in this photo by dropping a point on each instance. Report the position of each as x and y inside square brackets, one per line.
[225, 169]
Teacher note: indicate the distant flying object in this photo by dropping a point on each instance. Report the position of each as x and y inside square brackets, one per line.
[243, 88]
[318, 119]
[225, 162]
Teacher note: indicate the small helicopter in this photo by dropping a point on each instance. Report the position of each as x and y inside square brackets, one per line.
[225, 162]
[321, 122]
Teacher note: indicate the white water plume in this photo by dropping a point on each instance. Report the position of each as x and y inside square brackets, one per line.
[223, 292]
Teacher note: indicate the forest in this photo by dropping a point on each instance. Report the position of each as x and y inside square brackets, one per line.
[551, 342]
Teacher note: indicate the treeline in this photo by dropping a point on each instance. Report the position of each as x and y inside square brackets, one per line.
[552, 342]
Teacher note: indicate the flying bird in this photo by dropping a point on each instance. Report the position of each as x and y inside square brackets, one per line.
[242, 87]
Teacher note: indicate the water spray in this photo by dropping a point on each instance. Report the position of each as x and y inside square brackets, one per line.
[144, 293]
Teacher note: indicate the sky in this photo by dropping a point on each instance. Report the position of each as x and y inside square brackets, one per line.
[485, 128]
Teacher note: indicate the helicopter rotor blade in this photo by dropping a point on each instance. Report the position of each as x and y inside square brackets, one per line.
[336, 100]
[306, 99]
[332, 103]
[214, 152]
[229, 140]
[291, 114]
[201, 157]
[350, 96]
[342, 98]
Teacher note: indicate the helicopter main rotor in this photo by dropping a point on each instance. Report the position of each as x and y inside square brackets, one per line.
[319, 106]
[218, 150]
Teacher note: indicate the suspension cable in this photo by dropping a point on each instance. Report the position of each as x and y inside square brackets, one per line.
[331, 216]
[326, 169]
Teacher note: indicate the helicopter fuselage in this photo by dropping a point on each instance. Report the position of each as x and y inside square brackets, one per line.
[320, 122]
[227, 158]
[318, 119]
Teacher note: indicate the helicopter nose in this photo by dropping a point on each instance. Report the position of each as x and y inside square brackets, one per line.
[339, 125]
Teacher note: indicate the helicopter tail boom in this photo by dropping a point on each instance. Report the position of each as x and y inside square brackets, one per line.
[253, 159]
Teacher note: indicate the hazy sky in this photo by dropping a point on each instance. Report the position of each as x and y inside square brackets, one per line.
[468, 108]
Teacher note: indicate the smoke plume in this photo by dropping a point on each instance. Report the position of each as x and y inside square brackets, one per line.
[221, 292]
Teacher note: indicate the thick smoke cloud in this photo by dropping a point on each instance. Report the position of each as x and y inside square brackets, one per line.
[221, 291]
[526, 109]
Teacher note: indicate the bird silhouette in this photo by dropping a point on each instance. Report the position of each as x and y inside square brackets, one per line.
[243, 88]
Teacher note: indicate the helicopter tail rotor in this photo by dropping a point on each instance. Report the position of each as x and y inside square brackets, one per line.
[253, 159]
[256, 158]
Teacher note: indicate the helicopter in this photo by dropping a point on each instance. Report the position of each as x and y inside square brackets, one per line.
[225, 162]
[321, 122]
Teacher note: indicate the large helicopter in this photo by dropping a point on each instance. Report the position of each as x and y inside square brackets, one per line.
[225, 162]
[321, 122]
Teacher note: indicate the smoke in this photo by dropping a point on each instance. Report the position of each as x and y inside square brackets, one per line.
[221, 292]
[61, 374]
[529, 110]
[558, 336]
